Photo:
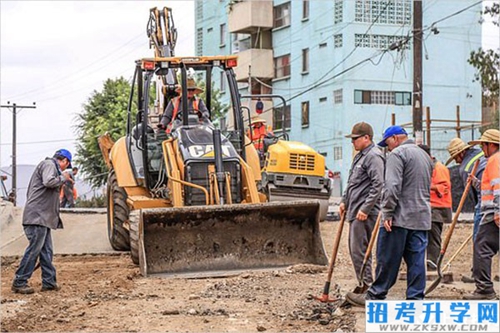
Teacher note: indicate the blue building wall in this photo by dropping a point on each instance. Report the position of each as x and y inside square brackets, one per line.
[448, 78]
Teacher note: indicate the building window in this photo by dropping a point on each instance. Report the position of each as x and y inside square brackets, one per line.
[199, 41]
[378, 41]
[322, 45]
[199, 11]
[305, 114]
[278, 118]
[382, 97]
[305, 60]
[337, 96]
[223, 34]
[338, 11]
[394, 12]
[338, 41]
[222, 82]
[322, 99]
[210, 29]
[305, 9]
[282, 66]
[403, 98]
[337, 153]
[282, 15]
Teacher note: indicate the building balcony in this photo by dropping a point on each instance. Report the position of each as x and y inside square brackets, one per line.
[250, 16]
[261, 62]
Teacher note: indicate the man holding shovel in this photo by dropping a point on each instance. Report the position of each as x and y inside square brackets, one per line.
[407, 218]
[487, 241]
[465, 156]
[361, 199]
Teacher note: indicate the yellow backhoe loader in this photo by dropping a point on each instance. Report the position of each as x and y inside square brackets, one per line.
[187, 201]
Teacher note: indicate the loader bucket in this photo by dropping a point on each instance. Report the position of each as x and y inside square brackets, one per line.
[208, 240]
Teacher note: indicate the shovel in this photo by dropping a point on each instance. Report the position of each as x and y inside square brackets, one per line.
[362, 286]
[448, 264]
[326, 289]
[444, 246]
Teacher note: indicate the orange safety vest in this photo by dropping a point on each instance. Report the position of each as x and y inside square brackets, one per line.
[257, 136]
[177, 102]
[441, 179]
[490, 184]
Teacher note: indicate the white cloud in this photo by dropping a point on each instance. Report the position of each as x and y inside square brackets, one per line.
[56, 53]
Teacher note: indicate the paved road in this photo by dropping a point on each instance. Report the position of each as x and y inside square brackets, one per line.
[82, 233]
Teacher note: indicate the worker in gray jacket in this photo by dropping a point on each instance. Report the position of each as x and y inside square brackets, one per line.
[41, 214]
[406, 213]
[361, 199]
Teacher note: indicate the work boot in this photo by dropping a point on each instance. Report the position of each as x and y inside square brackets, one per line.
[476, 296]
[356, 299]
[51, 288]
[467, 279]
[25, 290]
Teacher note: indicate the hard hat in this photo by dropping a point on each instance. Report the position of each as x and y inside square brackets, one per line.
[258, 120]
[191, 85]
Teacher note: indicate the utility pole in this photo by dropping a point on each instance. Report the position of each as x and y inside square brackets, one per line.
[14, 107]
[417, 71]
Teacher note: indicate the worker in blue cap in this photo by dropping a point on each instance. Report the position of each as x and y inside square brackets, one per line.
[41, 214]
[406, 213]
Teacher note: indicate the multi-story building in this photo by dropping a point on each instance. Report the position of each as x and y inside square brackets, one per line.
[333, 63]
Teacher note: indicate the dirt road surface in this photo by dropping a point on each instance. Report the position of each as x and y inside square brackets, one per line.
[104, 292]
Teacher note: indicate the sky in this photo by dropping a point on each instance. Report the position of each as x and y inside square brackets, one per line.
[56, 53]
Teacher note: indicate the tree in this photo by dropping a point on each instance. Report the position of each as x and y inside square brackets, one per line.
[218, 110]
[487, 64]
[105, 111]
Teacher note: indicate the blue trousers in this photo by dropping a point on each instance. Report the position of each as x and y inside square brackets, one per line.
[392, 247]
[40, 246]
[477, 220]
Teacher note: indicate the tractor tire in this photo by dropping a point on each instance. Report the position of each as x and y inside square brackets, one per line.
[134, 236]
[118, 215]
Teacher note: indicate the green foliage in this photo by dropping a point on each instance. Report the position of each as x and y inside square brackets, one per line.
[487, 65]
[105, 111]
[219, 110]
[94, 202]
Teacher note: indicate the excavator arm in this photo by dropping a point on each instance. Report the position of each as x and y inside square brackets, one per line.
[162, 36]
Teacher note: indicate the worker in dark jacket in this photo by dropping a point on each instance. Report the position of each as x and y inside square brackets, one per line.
[466, 155]
[41, 214]
[361, 199]
[173, 111]
[406, 213]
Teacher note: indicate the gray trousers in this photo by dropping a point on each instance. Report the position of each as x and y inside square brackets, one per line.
[359, 237]
[485, 248]
[434, 246]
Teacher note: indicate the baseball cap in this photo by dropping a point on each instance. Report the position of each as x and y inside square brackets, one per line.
[64, 153]
[361, 129]
[390, 131]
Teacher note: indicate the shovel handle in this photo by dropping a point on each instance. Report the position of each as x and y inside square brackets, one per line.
[336, 244]
[459, 209]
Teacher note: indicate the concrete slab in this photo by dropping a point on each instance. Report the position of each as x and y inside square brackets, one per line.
[82, 234]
